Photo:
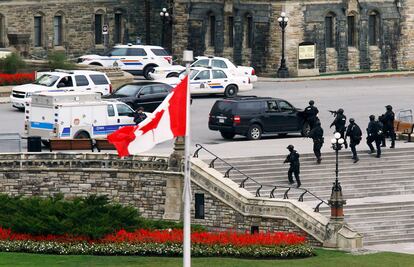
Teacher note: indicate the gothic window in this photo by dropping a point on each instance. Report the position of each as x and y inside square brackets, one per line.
[248, 30]
[373, 28]
[211, 30]
[98, 28]
[351, 31]
[118, 28]
[330, 30]
[57, 30]
[38, 30]
[230, 31]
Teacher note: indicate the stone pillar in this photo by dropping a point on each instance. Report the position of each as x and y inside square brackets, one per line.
[176, 158]
[173, 198]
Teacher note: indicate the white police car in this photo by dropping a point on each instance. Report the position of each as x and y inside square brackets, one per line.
[136, 59]
[213, 81]
[206, 61]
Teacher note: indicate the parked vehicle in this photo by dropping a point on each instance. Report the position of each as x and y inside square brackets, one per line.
[146, 94]
[256, 116]
[136, 59]
[203, 61]
[213, 81]
[61, 80]
[75, 115]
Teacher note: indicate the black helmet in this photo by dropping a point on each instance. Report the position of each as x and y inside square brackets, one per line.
[290, 147]
[388, 107]
[351, 120]
[311, 102]
[371, 117]
[340, 111]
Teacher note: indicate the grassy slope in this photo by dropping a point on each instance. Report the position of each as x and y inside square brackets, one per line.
[324, 258]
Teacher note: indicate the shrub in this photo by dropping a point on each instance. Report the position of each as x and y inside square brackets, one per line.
[12, 63]
[58, 60]
[92, 217]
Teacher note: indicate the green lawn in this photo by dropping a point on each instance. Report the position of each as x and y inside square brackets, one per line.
[324, 258]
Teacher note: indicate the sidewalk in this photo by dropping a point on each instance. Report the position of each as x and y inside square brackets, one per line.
[343, 76]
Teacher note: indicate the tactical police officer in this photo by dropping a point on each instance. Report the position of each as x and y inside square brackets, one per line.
[355, 136]
[374, 132]
[293, 159]
[139, 115]
[311, 113]
[388, 121]
[317, 135]
[339, 122]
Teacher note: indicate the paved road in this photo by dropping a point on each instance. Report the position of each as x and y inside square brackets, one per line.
[359, 98]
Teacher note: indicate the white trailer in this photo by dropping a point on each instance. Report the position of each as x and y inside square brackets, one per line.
[75, 115]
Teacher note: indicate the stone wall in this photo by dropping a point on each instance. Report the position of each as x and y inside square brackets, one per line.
[147, 183]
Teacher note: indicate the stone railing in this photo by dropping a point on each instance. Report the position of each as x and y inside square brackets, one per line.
[71, 161]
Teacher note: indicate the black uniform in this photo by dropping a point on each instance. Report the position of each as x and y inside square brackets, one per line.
[139, 117]
[355, 136]
[374, 132]
[388, 121]
[293, 159]
[339, 122]
[317, 135]
[310, 115]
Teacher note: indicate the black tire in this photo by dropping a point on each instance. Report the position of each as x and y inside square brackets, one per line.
[46, 143]
[231, 91]
[82, 135]
[254, 132]
[305, 129]
[172, 74]
[95, 64]
[227, 135]
[147, 71]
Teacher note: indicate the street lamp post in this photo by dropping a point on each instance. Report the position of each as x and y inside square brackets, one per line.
[164, 15]
[283, 71]
[336, 201]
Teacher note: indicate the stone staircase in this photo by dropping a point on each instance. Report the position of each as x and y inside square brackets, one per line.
[379, 192]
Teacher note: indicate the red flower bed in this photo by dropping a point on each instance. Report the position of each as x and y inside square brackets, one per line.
[172, 236]
[206, 238]
[18, 78]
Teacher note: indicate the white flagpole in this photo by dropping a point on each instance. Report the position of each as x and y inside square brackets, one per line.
[187, 58]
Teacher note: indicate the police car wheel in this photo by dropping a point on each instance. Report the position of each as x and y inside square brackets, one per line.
[227, 135]
[254, 132]
[82, 135]
[45, 143]
[230, 91]
[305, 129]
[147, 71]
[173, 74]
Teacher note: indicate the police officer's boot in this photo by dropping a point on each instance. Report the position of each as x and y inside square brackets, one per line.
[356, 159]
[318, 160]
[392, 144]
[383, 143]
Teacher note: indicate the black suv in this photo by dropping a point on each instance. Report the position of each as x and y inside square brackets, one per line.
[253, 116]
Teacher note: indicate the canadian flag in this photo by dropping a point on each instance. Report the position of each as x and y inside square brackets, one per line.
[165, 123]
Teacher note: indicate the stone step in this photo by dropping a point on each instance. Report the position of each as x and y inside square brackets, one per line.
[367, 242]
[380, 227]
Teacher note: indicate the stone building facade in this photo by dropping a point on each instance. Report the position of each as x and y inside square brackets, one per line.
[349, 35]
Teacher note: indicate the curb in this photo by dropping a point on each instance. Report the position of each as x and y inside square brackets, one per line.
[339, 77]
[4, 100]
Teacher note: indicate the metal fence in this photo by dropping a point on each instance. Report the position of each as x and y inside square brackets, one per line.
[10, 142]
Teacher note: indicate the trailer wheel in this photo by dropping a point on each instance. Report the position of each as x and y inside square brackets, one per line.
[82, 135]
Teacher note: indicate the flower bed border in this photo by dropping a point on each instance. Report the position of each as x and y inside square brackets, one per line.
[155, 249]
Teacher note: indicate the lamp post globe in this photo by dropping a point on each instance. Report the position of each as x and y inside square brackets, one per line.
[163, 14]
[283, 71]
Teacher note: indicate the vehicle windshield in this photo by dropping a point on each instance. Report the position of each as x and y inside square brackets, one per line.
[193, 73]
[128, 90]
[46, 80]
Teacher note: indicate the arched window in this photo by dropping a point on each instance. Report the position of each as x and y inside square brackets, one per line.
[330, 30]
[38, 30]
[211, 30]
[58, 29]
[248, 30]
[230, 31]
[99, 21]
[373, 28]
[118, 27]
[351, 24]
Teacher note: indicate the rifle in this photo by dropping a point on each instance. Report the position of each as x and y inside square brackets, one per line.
[333, 112]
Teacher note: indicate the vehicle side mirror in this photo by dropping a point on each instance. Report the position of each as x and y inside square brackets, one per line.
[109, 55]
